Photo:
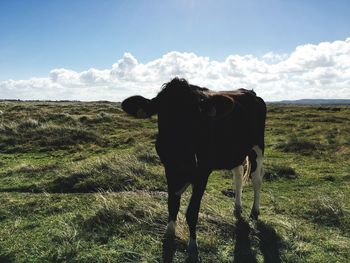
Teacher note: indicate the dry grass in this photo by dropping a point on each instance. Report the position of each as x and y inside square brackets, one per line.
[115, 173]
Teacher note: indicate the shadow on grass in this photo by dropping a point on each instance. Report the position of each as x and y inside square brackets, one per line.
[170, 246]
[243, 250]
[5, 257]
[269, 242]
[173, 244]
[23, 189]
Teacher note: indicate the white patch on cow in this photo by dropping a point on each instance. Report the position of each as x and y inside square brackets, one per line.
[257, 177]
[258, 151]
[182, 190]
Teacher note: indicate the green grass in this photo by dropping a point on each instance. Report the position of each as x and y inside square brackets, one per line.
[81, 182]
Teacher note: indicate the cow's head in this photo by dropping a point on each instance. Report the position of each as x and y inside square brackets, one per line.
[182, 110]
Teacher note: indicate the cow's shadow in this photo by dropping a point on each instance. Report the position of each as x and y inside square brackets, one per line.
[6, 257]
[243, 249]
[171, 245]
[270, 243]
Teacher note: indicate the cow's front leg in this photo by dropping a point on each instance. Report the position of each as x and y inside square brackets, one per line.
[173, 209]
[257, 176]
[193, 210]
[238, 175]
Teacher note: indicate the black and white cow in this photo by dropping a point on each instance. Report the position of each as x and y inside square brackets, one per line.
[201, 130]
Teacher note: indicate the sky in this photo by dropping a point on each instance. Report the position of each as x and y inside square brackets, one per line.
[108, 50]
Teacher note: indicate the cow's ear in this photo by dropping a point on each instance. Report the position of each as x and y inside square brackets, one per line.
[139, 107]
[217, 106]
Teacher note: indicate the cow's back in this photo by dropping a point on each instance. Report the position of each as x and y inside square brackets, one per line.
[226, 142]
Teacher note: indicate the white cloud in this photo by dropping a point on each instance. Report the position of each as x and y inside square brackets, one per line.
[310, 71]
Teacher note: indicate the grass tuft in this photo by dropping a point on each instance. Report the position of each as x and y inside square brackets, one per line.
[28, 134]
[114, 173]
[27, 124]
[330, 211]
[117, 214]
[147, 154]
[274, 172]
[298, 145]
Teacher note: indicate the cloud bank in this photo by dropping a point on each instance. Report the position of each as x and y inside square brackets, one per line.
[310, 71]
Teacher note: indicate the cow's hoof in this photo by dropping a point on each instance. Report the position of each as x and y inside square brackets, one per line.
[192, 251]
[254, 214]
[192, 258]
[238, 212]
[170, 230]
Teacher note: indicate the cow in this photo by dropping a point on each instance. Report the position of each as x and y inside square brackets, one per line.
[200, 130]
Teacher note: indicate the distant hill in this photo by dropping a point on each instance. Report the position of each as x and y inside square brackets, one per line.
[314, 102]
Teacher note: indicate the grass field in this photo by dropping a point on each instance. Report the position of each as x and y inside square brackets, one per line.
[81, 182]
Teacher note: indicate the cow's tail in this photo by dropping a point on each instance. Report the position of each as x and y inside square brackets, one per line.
[247, 169]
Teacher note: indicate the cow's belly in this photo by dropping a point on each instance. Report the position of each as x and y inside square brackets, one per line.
[228, 142]
[227, 158]
[220, 156]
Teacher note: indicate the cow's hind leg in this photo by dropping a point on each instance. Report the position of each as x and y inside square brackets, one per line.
[257, 173]
[238, 176]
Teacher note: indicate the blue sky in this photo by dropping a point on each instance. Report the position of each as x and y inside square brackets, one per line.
[37, 36]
